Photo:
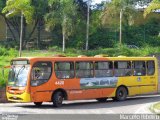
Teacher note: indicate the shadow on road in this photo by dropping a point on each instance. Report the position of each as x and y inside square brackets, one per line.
[94, 104]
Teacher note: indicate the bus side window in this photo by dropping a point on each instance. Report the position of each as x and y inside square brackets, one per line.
[122, 68]
[139, 68]
[150, 67]
[84, 69]
[41, 72]
[103, 69]
[64, 70]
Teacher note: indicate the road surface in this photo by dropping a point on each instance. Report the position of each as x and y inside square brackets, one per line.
[134, 105]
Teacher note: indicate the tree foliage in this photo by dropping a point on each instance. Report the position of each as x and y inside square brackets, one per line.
[61, 12]
[65, 21]
[110, 14]
[15, 7]
[154, 5]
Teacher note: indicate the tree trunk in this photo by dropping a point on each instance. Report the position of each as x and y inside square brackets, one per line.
[21, 36]
[63, 40]
[24, 32]
[120, 32]
[64, 33]
[39, 33]
[87, 27]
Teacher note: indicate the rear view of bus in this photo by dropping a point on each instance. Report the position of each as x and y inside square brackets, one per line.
[17, 89]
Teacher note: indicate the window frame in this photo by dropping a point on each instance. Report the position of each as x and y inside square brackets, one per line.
[131, 67]
[65, 70]
[103, 69]
[41, 79]
[147, 67]
[93, 63]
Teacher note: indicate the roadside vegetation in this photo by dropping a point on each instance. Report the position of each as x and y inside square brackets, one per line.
[155, 108]
[7, 54]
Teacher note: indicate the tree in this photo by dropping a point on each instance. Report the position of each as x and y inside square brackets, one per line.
[17, 7]
[154, 5]
[40, 9]
[123, 10]
[2, 5]
[61, 12]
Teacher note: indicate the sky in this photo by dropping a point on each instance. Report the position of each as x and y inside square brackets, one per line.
[97, 1]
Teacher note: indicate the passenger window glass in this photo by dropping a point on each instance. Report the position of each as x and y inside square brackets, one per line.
[64, 70]
[103, 69]
[84, 69]
[122, 68]
[139, 68]
[150, 67]
[41, 73]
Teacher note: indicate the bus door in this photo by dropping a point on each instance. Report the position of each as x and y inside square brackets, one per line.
[40, 75]
[150, 80]
[143, 74]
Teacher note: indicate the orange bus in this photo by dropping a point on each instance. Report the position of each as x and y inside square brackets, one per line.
[54, 79]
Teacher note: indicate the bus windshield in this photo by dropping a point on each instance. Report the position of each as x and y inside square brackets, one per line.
[18, 76]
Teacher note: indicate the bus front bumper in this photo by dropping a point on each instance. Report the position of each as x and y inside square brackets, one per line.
[24, 97]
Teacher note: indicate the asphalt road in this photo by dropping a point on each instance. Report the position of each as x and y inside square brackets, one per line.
[133, 105]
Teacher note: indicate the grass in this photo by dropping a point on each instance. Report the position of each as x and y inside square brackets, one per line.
[112, 52]
[7, 54]
[155, 108]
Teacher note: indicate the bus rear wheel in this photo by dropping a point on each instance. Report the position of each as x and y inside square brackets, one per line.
[121, 94]
[38, 103]
[101, 99]
[58, 99]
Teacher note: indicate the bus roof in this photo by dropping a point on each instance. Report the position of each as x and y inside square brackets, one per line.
[82, 58]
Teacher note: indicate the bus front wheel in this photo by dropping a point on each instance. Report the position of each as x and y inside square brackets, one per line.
[57, 99]
[121, 94]
[38, 103]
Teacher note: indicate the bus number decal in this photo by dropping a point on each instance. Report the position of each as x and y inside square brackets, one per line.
[59, 83]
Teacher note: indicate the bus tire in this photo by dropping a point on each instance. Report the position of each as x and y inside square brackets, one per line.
[101, 99]
[57, 99]
[121, 94]
[38, 103]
